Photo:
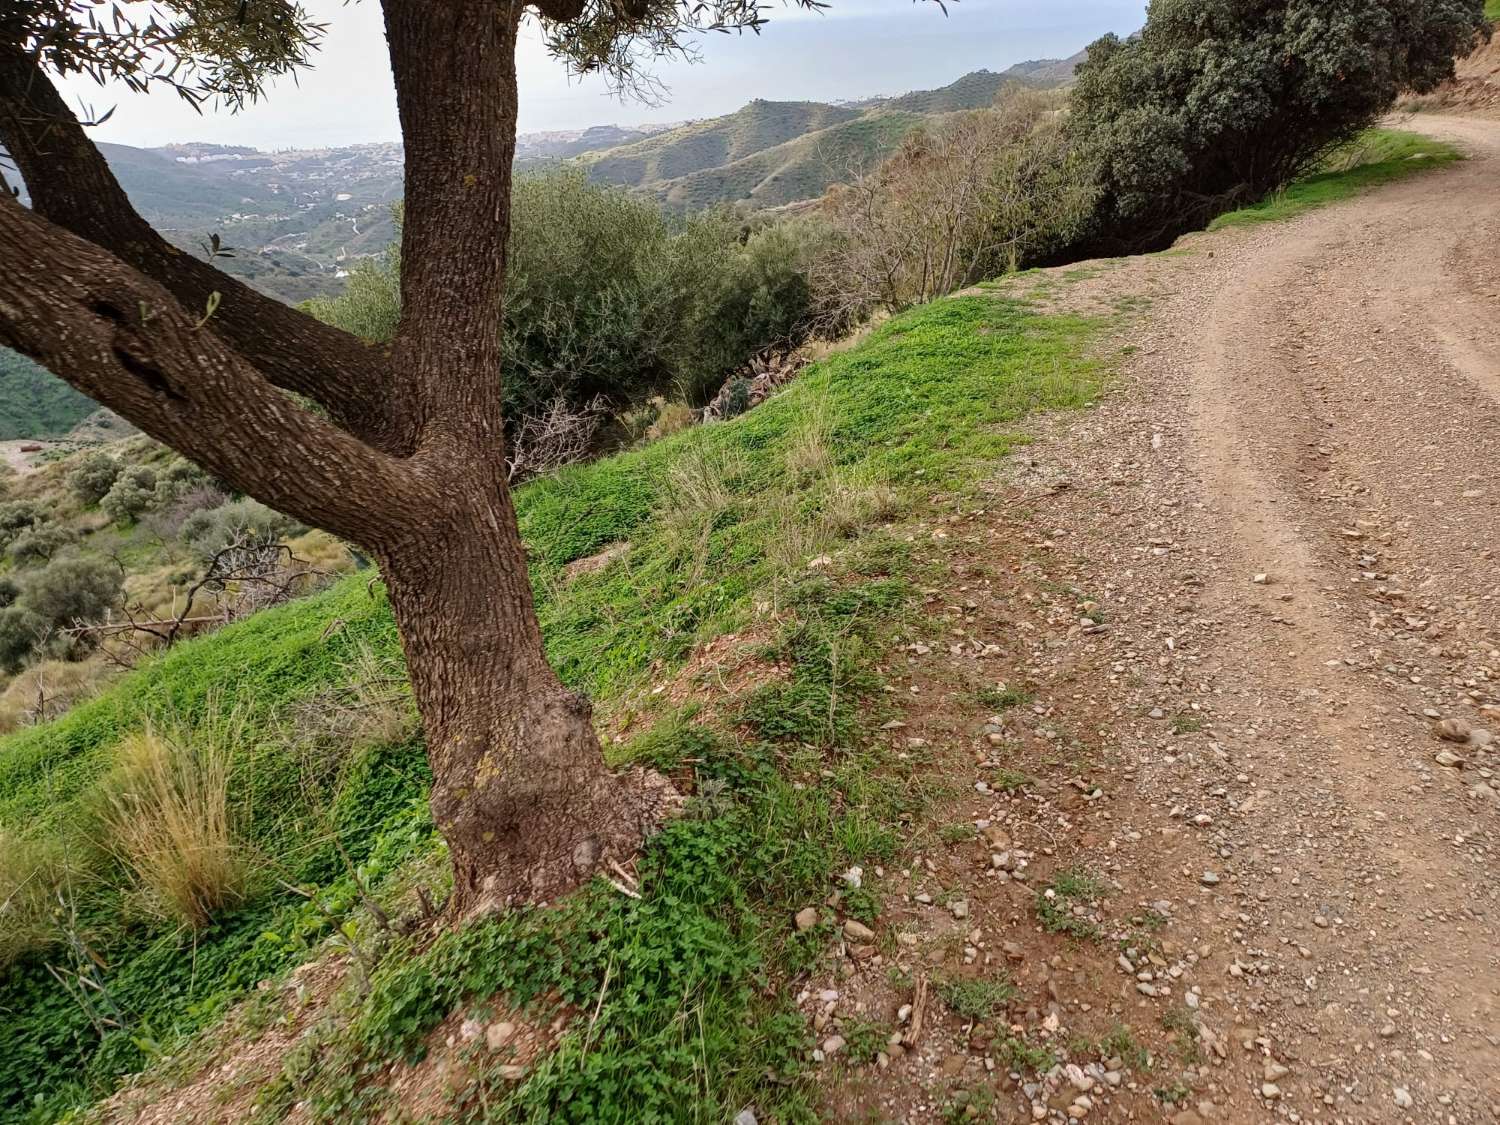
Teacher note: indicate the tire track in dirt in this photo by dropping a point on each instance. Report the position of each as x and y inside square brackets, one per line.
[1324, 407]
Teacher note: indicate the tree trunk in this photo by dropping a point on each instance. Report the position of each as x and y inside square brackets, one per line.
[520, 789]
[409, 458]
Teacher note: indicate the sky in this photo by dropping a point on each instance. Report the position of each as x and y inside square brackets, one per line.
[855, 49]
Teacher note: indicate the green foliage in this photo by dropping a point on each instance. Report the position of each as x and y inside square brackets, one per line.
[976, 998]
[131, 494]
[1054, 904]
[605, 299]
[93, 476]
[34, 403]
[209, 530]
[20, 632]
[1216, 104]
[16, 518]
[72, 589]
[1375, 157]
[41, 542]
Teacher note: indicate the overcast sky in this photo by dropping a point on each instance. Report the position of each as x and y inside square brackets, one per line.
[856, 49]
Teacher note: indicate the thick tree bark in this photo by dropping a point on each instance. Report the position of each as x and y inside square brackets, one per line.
[71, 184]
[410, 462]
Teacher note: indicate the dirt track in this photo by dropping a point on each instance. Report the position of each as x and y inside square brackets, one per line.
[1317, 403]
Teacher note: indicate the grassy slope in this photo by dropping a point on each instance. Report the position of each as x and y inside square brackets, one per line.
[1377, 157]
[1492, 10]
[928, 402]
[713, 143]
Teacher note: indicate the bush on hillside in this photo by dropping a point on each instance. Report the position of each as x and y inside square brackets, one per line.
[72, 589]
[130, 495]
[607, 300]
[1217, 103]
[17, 516]
[178, 479]
[20, 632]
[247, 522]
[964, 200]
[93, 476]
[41, 542]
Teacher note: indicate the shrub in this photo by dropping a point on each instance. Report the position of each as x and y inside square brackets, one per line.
[16, 516]
[72, 589]
[180, 479]
[975, 195]
[130, 495]
[606, 299]
[20, 632]
[93, 476]
[207, 532]
[166, 818]
[1217, 103]
[9, 592]
[40, 543]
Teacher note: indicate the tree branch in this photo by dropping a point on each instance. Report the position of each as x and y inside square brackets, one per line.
[71, 184]
[120, 338]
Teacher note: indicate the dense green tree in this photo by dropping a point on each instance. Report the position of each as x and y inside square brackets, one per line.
[93, 476]
[399, 449]
[1216, 103]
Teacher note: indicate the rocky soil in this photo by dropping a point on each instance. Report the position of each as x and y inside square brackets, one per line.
[1253, 599]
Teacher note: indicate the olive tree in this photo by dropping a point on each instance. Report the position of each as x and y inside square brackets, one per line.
[398, 448]
[1216, 103]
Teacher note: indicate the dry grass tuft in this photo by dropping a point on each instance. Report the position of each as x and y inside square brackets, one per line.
[35, 875]
[700, 487]
[167, 818]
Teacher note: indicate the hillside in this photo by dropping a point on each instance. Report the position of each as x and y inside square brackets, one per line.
[34, 403]
[770, 154]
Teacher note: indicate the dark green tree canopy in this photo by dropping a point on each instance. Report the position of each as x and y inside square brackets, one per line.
[1217, 102]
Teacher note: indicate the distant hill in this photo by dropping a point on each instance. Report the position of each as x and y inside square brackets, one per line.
[34, 403]
[770, 154]
[297, 220]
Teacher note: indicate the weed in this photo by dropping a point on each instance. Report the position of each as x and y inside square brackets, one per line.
[1186, 724]
[978, 1103]
[960, 833]
[1003, 698]
[1054, 904]
[863, 1040]
[1010, 781]
[975, 998]
[1121, 1043]
[1025, 1057]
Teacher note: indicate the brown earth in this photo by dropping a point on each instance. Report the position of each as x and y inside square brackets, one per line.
[1249, 592]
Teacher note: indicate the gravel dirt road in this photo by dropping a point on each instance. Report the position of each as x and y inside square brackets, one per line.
[1294, 504]
[1253, 595]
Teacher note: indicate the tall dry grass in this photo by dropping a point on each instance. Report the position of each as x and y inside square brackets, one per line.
[167, 818]
[35, 879]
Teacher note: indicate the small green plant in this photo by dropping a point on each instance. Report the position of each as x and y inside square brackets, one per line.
[1054, 904]
[1121, 1043]
[975, 1104]
[1007, 780]
[1025, 1057]
[1175, 1094]
[1186, 724]
[975, 998]
[960, 833]
[1004, 698]
[863, 1040]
